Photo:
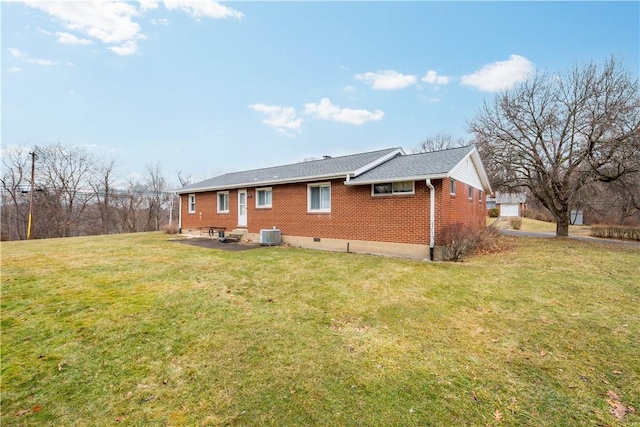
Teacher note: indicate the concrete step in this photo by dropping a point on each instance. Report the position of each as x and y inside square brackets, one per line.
[235, 236]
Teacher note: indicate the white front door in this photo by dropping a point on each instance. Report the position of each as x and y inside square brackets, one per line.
[242, 208]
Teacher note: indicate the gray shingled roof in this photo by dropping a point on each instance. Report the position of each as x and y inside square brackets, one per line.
[433, 164]
[330, 167]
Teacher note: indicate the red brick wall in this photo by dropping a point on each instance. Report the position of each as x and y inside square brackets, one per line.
[355, 213]
[206, 211]
[458, 207]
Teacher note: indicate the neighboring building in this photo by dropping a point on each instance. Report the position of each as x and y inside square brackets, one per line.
[576, 217]
[382, 202]
[508, 204]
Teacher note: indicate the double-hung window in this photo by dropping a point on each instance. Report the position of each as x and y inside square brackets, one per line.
[391, 188]
[452, 186]
[319, 197]
[470, 193]
[263, 198]
[223, 202]
[192, 203]
[479, 196]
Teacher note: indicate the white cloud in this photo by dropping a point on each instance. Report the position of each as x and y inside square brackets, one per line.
[282, 119]
[429, 99]
[344, 67]
[327, 111]
[432, 77]
[148, 4]
[96, 147]
[107, 21]
[160, 21]
[206, 8]
[14, 69]
[24, 56]
[127, 48]
[114, 22]
[349, 91]
[45, 62]
[500, 75]
[67, 38]
[16, 53]
[387, 79]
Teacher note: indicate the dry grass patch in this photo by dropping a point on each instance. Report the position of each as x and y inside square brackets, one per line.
[536, 226]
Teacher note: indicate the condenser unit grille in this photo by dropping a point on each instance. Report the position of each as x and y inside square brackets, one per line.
[270, 236]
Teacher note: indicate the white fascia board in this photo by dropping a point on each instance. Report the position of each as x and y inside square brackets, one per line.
[378, 162]
[484, 177]
[264, 183]
[397, 179]
[477, 162]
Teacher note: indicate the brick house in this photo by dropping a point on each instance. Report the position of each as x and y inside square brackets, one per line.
[383, 202]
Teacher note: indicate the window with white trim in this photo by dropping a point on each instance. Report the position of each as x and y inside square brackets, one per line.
[470, 193]
[319, 197]
[452, 186]
[263, 197]
[192, 203]
[223, 202]
[392, 188]
[479, 196]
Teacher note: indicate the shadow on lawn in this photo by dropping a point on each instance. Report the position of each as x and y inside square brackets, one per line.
[217, 244]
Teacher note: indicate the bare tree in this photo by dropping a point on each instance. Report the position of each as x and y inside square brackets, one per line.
[184, 180]
[76, 195]
[615, 201]
[102, 185]
[438, 142]
[128, 202]
[15, 185]
[157, 197]
[555, 134]
[64, 173]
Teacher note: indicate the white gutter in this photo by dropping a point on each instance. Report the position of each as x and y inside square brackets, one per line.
[432, 218]
[396, 179]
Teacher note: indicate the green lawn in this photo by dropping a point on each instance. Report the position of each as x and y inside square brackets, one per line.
[140, 330]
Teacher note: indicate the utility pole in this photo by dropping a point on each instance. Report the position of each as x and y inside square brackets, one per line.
[33, 173]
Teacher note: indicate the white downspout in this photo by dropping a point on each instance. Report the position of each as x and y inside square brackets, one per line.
[432, 218]
[180, 215]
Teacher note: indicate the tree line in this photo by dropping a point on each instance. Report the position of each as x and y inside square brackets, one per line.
[570, 139]
[72, 193]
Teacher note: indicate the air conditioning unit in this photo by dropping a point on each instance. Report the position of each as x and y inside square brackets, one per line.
[270, 236]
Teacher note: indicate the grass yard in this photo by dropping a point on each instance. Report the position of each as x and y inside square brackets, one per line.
[138, 330]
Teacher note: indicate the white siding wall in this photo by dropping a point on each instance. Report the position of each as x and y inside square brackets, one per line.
[466, 172]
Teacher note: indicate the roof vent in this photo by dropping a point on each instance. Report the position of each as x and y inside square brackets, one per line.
[315, 159]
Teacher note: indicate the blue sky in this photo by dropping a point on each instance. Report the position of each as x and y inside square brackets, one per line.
[207, 88]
